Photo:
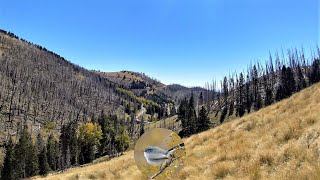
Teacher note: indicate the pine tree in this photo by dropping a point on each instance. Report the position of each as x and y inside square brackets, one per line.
[43, 162]
[255, 83]
[122, 140]
[69, 145]
[269, 97]
[191, 117]
[287, 83]
[8, 169]
[65, 142]
[258, 103]
[223, 114]
[201, 98]
[51, 154]
[248, 95]
[132, 124]
[182, 116]
[58, 156]
[42, 156]
[102, 120]
[40, 143]
[225, 91]
[87, 151]
[232, 96]
[225, 94]
[268, 90]
[26, 159]
[282, 89]
[142, 126]
[290, 82]
[301, 84]
[314, 76]
[73, 143]
[203, 120]
[241, 91]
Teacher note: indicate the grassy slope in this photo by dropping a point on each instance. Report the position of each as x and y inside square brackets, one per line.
[278, 142]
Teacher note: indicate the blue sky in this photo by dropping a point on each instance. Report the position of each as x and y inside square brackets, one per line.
[177, 41]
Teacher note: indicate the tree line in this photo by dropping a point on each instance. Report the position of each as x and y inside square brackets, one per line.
[77, 144]
[190, 122]
[259, 86]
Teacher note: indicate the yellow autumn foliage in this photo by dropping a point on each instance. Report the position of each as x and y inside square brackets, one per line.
[90, 133]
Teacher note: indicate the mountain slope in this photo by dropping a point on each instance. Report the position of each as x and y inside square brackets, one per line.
[281, 141]
[38, 86]
[126, 78]
[150, 88]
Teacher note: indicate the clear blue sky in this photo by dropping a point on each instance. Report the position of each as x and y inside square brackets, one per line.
[177, 41]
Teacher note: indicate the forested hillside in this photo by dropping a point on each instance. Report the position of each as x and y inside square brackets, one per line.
[55, 114]
[38, 86]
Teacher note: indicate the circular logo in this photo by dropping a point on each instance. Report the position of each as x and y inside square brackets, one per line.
[159, 153]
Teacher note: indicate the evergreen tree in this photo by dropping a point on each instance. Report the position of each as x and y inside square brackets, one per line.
[314, 76]
[232, 95]
[132, 124]
[258, 103]
[87, 153]
[223, 114]
[43, 162]
[9, 166]
[248, 95]
[280, 93]
[268, 91]
[282, 89]
[225, 91]
[287, 83]
[290, 82]
[301, 84]
[122, 140]
[201, 98]
[73, 143]
[58, 156]
[142, 126]
[255, 83]
[40, 143]
[69, 145]
[42, 156]
[191, 117]
[269, 97]
[65, 147]
[103, 122]
[203, 120]
[182, 116]
[225, 94]
[26, 159]
[51, 154]
[241, 92]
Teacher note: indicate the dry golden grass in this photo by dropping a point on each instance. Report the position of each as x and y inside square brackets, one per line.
[278, 142]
